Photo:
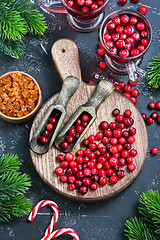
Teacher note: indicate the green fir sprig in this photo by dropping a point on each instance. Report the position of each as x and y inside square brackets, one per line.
[148, 226]
[153, 71]
[13, 186]
[17, 18]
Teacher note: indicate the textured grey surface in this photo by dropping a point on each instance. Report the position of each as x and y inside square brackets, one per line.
[101, 220]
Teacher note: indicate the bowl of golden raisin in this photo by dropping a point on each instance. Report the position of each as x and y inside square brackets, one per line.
[20, 97]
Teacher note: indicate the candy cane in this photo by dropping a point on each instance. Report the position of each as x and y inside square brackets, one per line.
[63, 231]
[54, 219]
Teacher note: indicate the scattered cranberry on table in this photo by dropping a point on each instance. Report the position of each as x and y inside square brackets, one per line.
[143, 9]
[122, 2]
[103, 157]
[154, 150]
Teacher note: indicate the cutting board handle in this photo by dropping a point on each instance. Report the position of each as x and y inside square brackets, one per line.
[66, 58]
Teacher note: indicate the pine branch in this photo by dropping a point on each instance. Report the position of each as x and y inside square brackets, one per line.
[13, 186]
[153, 71]
[150, 210]
[138, 230]
[14, 48]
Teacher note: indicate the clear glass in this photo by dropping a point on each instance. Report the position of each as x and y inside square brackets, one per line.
[80, 21]
[125, 65]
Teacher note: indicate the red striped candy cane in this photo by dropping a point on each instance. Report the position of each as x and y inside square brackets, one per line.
[54, 219]
[62, 231]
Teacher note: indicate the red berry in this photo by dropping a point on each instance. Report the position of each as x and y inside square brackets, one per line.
[113, 179]
[114, 149]
[73, 164]
[149, 120]
[64, 164]
[64, 145]
[86, 181]
[108, 133]
[127, 94]
[144, 34]
[115, 36]
[70, 3]
[103, 181]
[135, 36]
[92, 146]
[79, 159]
[94, 6]
[121, 125]
[63, 178]
[59, 171]
[107, 37]
[121, 84]
[128, 30]
[135, 93]
[69, 156]
[102, 172]
[60, 157]
[113, 125]
[42, 140]
[122, 161]
[117, 88]
[119, 29]
[131, 139]
[123, 36]
[116, 111]
[91, 82]
[110, 25]
[141, 48]
[120, 43]
[72, 186]
[127, 88]
[49, 127]
[122, 2]
[102, 65]
[144, 116]
[121, 173]
[119, 118]
[71, 179]
[80, 152]
[124, 153]
[79, 129]
[143, 9]
[132, 131]
[154, 115]
[151, 105]
[129, 40]
[78, 183]
[133, 100]
[87, 171]
[131, 166]
[134, 52]
[79, 175]
[94, 186]
[105, 140]
[116, 20]
[128, 121]
[72, 131]
[85, 117]
[124, 19]
[113, 141]
[125, 134]
[53, 121]
[109, 172]
[123, 53]
[99, 135]
[140, 26]
[78, 121]
[83, 190]
[129, 159]
[80, 2]
[100, 52]
[104, 125]
[122, 140]
[127, 113]
[117, 133]
[133, 152]
[144, 41]
[113, 161]
[127, 146]
[87, 152]
[158, 105]
[88, 2]
[85, 142]
[69, 139]
[133, 20]
[109, 44]
[154, 150]
[45, 133]
[106, 165]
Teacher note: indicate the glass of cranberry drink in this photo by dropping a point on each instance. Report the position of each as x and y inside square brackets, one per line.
[85, 15]
[125, 37]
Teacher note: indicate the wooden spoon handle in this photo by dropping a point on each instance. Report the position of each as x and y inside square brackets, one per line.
[66, 58]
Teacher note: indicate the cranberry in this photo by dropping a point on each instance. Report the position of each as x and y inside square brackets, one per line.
[133, 20]
[42, 140]
[84, 124]
[104, 125]
[110, 25]
[144, 34]
[70, 3]
[129, 159]
[132, 131]
[99, 135]
[114, 149]
[107, 37]
[128, 47]
[128, 121]
[102, 172]
[71, 179]
[53, 121]
[134, 52]
[64, 145]
[122, 2]
[72, 131]
[113, 161]
[79, 175]
[109, 44]
[131, 166]
[122, 140]
[144, 116]
[129, 40]
[69, 139]
[119, 29]
[132, 83]
[87, 171]
[45, 133]
[72, 186]
[141, 48]
[94, 6]
[85, 117]
[63, 178]
[135, 93]
[91, 82]
[127, 94]
[87, 152]
[121, 173]
[92, 146]
[122, 161]
[117, 133]
[59, 171]
[109, 172]
[158, 105]
[49, 127]
[60, 157]
[115, 37]
[133, 152]
[143, 9]
[140, 26]
[78, 183]
[158, 119]
[133, 100]
[154, 115]
[119, 118]
[83, 190]
[154, 150]
[69, 156]
[144, 41]
[76, 136]
[116, 111]
[102, 65]
[128, 30]
[149, 120]
[127, 146]
[125, 134]
[107, 155]
[127, 88]
[86, 181]
[114, 51]
[79, 129]
[117, 88]
[97, 153]
[124, 19]
[122, 84]
[120, 43]
[75, 170]
[64, 164]
[113, 141]
[91, 155]
[105, 140]
[78, 121]
[100, 52]
[91, 164]
[151, 105]
[80, 152]
[121, 125]
[85, 142]
[120, 148]
[124, 153]
[108, 133]
[94, 186]
[73, 164]
[123, 36]
[123, 53]
[113, 179]
[113, 125]
[116, 20]
[103, 181]
[80, 2]
[127, 113]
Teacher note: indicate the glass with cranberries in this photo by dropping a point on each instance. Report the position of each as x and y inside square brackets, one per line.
[125, 37]
[85, 15]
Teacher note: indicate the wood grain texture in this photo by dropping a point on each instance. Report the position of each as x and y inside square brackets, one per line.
[46, 164]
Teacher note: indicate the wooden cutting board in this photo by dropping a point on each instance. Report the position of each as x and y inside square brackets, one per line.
[66, 59]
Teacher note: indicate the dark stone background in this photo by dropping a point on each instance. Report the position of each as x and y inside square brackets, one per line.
[100, 220]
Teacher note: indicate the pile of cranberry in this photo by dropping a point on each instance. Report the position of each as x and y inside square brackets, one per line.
[105, 155]
[154, 116]
[85, 5]
[49, 129]
[75, 131]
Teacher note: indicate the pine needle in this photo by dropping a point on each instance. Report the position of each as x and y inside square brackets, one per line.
[14, 48]
[137, 230]
[153, 71]
[13, 186]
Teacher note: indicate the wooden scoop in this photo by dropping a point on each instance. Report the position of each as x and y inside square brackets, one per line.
[103, 90]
